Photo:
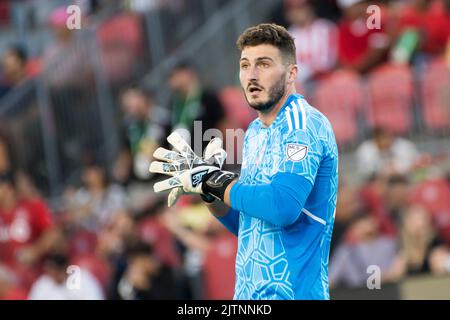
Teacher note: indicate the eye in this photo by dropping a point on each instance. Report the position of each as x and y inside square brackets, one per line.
[244, 66]
[264, 65]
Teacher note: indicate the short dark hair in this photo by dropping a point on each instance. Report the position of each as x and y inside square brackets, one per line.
[148, 93]
[269, 33]
[183, 65]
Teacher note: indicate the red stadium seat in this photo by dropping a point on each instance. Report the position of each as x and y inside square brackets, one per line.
[236, 107]
[219, 268]
[434, 195]
[435, 90]
[339, 97]
[390, 92]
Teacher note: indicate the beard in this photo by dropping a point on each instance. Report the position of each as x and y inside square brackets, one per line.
[276, 92]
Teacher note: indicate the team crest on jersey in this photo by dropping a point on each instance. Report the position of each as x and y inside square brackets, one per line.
[296, 152]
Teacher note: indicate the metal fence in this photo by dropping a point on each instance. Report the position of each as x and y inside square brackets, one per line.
[63, 118]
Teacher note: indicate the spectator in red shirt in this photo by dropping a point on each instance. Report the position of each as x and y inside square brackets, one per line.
[360, 48]
[431, 19]
[27, 232]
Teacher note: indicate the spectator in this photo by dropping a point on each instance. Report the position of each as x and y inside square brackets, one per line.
[26, 227]
[315, 40]
[97, 202]
[418, 242]
[144, 277]
[430, 19]
[364, 247]
[360, 48]
[197, 243]
[192, 102]
[55, 283]
[396, 197]
[385, 154]
[145, 127]
[66, 52]
[14, 63]
[68, 72]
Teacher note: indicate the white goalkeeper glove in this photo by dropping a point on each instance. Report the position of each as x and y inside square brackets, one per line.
[186, 168]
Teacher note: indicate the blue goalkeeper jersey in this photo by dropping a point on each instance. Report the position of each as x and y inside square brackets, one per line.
[283, 205]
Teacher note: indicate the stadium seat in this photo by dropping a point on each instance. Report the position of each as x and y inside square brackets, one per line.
[339, 97]
[434, 195]
[391, 95]
[236, 107]
[435, 91]
[219, 268]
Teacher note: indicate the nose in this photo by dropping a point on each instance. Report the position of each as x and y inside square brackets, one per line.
[253, 74]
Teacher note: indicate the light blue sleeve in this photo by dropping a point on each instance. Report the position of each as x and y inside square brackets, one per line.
[279, 202]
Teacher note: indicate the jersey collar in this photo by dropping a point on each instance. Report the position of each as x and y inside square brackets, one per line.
[278, 118]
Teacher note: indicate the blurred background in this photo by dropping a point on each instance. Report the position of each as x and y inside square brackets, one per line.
[82, 110]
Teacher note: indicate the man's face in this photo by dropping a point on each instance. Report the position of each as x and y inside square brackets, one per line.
[263, 76]
[12, 65]
[135, 104]
[181, 80]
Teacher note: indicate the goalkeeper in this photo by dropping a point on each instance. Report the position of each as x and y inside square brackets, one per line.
[282, 205]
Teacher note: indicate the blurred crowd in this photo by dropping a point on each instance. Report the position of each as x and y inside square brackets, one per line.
[111, 237]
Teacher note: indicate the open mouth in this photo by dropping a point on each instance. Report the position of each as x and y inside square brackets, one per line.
[254, 89]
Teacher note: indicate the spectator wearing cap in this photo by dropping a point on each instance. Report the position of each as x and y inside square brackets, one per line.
[315, 39]
[360, 48]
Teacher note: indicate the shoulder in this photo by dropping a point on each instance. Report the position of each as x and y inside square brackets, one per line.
[300, 115]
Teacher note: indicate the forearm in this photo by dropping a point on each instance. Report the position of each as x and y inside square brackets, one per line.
[278, 203]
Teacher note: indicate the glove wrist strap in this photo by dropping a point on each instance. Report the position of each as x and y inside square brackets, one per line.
[215, 183]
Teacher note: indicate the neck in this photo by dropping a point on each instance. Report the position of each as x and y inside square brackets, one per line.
[268, 116]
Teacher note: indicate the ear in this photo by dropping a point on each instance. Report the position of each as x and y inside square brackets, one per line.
[292, 70]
